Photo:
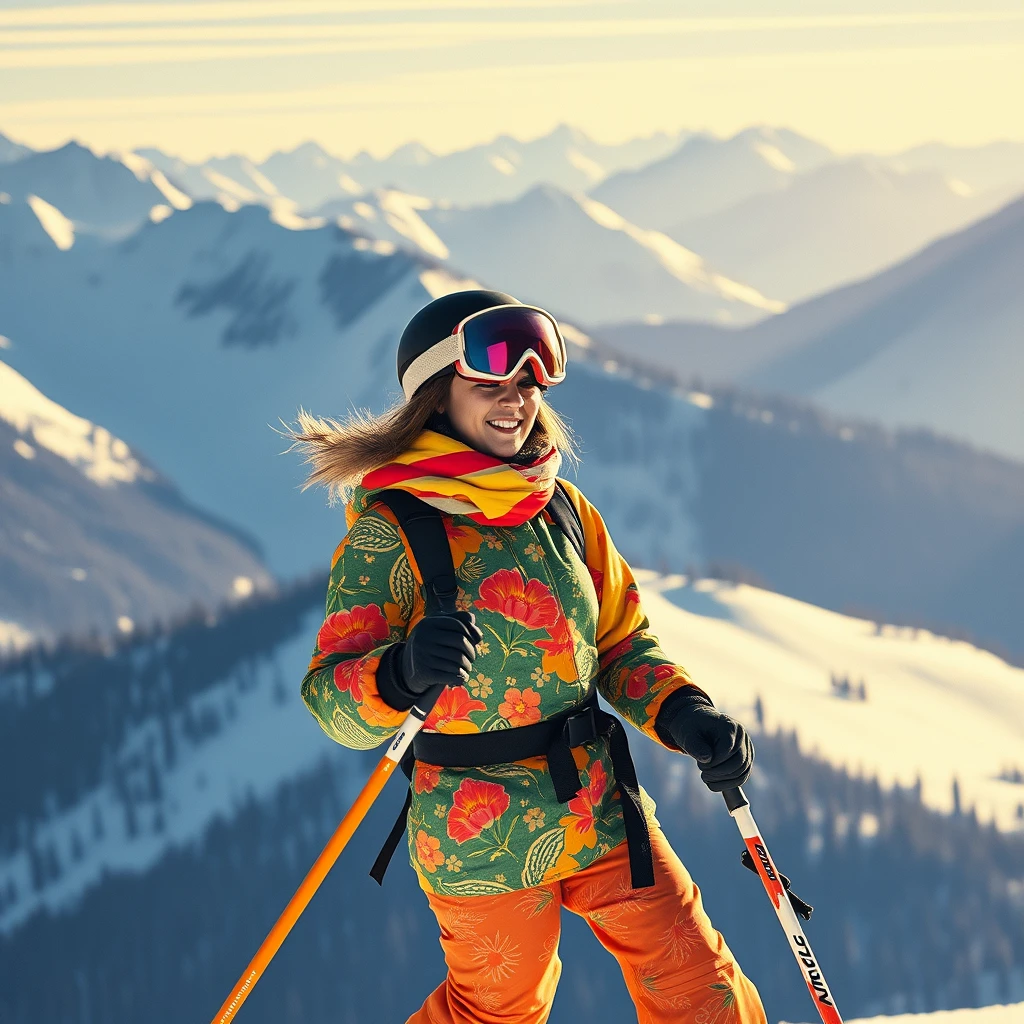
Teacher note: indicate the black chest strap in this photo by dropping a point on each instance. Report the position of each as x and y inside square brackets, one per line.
[553, 738]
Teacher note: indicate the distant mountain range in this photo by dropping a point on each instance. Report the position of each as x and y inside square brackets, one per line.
[706, 175]
[196, 335]
[932, 342]
[550, 244]
[106, 196]
[11, 150]
[837, 223]
[93, 537]
[497, 171]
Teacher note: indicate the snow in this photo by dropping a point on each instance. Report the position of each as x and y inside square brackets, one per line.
[929, 698]
[54, 223]
[13, 637]
[210, 778]
[774, 157]
[174, 196]
[400, 212]
[591, 168]
[1001, 1014]
[501, 165]
[285, 213]
[100, 456]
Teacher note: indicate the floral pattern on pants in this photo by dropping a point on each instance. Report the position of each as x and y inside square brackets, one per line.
[502, 950]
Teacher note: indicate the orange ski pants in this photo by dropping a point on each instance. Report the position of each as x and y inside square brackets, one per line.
[502, 951]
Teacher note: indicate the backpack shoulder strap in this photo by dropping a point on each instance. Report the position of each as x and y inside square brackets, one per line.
[566, 517]
[424, 529]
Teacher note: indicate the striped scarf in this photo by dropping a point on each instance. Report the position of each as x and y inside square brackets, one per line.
[461, 481]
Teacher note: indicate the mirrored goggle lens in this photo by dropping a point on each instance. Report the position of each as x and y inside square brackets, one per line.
[496, 341]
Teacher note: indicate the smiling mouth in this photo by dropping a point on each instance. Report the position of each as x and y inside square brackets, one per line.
[509, 426]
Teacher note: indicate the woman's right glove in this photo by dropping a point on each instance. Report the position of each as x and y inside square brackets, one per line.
[439, 649]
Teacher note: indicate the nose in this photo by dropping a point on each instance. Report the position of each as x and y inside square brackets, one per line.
[511, 396]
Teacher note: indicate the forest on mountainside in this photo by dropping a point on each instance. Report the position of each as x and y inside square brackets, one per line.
[895, 885]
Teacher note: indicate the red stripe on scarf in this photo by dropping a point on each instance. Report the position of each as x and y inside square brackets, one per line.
[453, 464]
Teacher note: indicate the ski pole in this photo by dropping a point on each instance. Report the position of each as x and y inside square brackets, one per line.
[739, 808]
[322, 865]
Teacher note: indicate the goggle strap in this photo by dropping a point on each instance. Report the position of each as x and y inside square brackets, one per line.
[426, 364]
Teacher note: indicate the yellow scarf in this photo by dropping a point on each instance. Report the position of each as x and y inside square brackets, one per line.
[459, 480]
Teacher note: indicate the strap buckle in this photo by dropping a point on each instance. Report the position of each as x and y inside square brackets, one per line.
[582, 726]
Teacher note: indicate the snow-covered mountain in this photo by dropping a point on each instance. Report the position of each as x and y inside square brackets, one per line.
[505, 168]
[934, 342]
[310, 175]
[197, 335]
[107, 196]
[993, 166]
[11, 150]
[563, 250]
[745, 644]
[231, 179]
[835, 224]
[133, 822]
[93, 537]
[706, 175]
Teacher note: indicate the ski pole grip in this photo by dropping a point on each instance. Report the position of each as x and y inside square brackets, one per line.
[426, 701]
[734, 799]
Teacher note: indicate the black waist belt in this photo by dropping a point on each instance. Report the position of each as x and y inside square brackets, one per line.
[554, 737]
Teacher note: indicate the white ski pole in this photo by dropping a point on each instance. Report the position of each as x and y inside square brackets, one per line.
[739, 808]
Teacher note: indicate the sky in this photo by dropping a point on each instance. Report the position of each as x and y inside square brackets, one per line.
[201, 78]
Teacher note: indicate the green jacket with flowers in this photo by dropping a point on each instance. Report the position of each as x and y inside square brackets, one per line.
[551, 624]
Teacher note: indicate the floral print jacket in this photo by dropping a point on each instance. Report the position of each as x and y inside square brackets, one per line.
[551, 624]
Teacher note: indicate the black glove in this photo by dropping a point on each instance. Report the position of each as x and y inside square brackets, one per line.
[440, 649]
[718, 743]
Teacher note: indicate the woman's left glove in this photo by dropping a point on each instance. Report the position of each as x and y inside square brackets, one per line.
[718, 743]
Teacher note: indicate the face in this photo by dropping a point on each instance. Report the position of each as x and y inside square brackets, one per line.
[495, 418]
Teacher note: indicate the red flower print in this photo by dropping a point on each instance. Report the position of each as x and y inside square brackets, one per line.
[579, 824]
[428, 851]
[358, 630]
[452, 710]
[427, 777]
[476, 805]
[558, 651]
[632, 594]
[520, 707]
[348, 677]
[598, 577]
[531, 604]
[637, 684]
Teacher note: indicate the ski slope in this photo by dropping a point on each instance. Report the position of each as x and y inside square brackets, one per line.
[936, 708]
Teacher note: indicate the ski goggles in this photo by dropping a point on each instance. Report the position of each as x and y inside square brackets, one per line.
[493, 345]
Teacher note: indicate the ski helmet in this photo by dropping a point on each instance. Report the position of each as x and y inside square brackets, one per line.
[438, 319]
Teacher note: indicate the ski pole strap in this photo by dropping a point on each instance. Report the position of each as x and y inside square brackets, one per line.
[802, 908]
[553, 738]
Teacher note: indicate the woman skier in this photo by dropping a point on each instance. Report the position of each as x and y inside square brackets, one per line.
[523, 797]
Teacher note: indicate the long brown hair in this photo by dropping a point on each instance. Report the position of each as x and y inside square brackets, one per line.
[341, 453]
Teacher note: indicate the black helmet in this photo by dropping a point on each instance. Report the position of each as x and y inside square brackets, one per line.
[438, 319]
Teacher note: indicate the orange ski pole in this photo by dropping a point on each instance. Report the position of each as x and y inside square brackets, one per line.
[321, 867]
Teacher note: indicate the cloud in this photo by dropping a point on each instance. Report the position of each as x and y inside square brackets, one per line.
[415, 88]
[145, 13]
[90, 47]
